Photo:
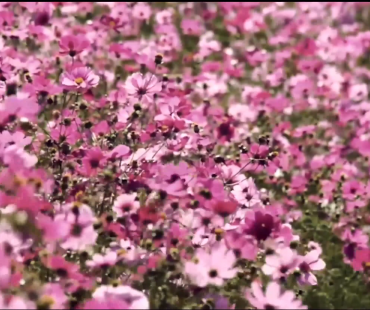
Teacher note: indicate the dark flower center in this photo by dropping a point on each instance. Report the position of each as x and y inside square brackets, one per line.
[269, 307]
[8, 248]
[206, 221]
[141, 91]
[9, 143]
[43, 93]
[126, 207]
[61, 272]
[349, 250]
[94, 163]
[213, 273]
[173, 178]
[284, 269]
[262, 227]
[42, 19]
[304, 267]
[248, 197]
[76, 230]
[225, 130]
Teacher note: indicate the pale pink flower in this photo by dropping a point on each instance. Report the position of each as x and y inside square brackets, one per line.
[132, 297]
[14, 107]
[17, 138]
[108, 303]
[273, 298]
[212, 267]
[79, 78]
[281, 264]
[98, 260]
[17, 158]
[308, 263]
[141, 11]
[53, 296]
[143, 86]
[15, 303]
[126, 204]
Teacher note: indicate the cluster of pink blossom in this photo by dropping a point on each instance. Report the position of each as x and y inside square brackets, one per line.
[184, 155]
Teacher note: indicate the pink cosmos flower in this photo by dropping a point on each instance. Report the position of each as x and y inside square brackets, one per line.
[17, 138]
[273, 298]
[281, 264]
[142, 86]
[5, 267]
[243, 246]
[170, 111]
[98, 260]
[42, 86]
[141, 11]
[191, 27]
[73, 44]
[361, 260]
[17, 158]
[14, 107]
[93, 161]
[354, 240]
[212, 267]
[126, 204]
[53, 230]
[132, 297]
[53, 296]
[260, 224]
[15, 302]
[119, 151]
[108, 303]
[79, 78]
[64, 268]
[80, 219]
[128, 250]
[246, 193]
[308, 263]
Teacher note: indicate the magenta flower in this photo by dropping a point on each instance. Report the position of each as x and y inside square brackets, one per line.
[16, 107]
[79, 78]
[143, 87]
[260, 224]
[53, 296]
[17, 158]
[73, 45]
[362, 260]
[93, 161]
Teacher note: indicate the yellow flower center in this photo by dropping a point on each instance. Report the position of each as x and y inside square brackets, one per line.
[122, 252]
[46, 301]
[79, 196]
[79, 80]
[19, 181]
[77, 204]
[219, 231]
[112, 24]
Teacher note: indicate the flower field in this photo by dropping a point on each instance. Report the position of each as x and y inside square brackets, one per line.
[184, 155]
